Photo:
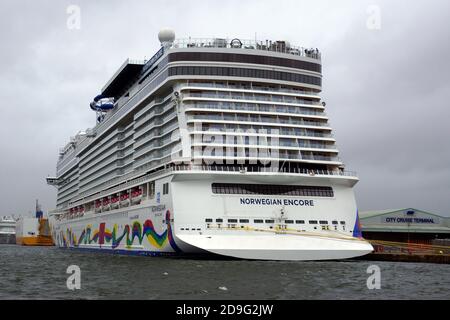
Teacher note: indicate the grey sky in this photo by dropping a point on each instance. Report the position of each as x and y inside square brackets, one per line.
[387, 90]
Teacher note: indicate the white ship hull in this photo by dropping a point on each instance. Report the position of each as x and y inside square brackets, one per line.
[7, 238]
[7, 231]
[175, 223]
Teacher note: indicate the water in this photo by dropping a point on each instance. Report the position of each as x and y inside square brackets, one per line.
[33, 272]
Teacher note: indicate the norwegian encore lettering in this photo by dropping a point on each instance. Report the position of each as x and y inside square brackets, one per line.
[277, 202]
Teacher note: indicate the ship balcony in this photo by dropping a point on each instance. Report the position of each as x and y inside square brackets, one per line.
[155, 113]
[247, 155]
[296, 146]
[257, 120]
[154, 125]
[156, 157]
[257, 109]
[249, 89]
[157, 102]
[249, 98]
[249, 130]
[155, 134]
[156, 144]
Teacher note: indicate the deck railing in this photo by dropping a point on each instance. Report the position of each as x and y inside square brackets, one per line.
[267, 45]
[205, 168]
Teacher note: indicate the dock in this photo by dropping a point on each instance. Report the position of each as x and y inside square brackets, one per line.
[408, 252]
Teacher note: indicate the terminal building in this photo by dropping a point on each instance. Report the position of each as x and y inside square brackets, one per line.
[405, 225]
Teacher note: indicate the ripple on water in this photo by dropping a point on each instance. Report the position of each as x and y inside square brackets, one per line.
[26, 270]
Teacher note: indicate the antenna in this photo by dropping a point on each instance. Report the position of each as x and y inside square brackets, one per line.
[38, 213]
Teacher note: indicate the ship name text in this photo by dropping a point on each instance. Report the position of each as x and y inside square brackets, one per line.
[277, 202]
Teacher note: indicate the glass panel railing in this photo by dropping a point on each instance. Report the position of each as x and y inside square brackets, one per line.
[248, 45]
[250, 87]
[265, 98]
[262, 119]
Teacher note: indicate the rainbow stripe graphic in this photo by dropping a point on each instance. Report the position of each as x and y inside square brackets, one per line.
[137, 232]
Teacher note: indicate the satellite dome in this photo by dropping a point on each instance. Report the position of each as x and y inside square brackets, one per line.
[166, 35]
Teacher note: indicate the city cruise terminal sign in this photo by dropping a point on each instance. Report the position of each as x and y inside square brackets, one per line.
[409, 220]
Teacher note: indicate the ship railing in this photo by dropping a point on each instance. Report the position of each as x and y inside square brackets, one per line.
[241, 169]
[262, 119]
[260, 108]
[243, 44]
[249, 88]
[206, 168]
[252, 98]
[289, 132]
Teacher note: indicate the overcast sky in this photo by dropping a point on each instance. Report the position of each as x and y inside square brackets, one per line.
[385, 66]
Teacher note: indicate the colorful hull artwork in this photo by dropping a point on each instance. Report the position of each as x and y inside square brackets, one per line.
[131, 235]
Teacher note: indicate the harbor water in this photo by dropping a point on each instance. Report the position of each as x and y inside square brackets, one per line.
[40, 273]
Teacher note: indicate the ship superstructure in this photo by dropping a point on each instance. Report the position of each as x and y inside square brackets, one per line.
[211, 146]
[34, 231]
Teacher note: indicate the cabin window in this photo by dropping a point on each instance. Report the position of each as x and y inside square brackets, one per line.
[299, 221]
[312, 221]
[258, 221]
[243, 220]
[151, 190]
[166, 188]
[264, 189]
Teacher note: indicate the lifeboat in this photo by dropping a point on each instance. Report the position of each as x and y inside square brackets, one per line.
[136, 196]
[124, 199]
[98, 206]
[105, 203]
[114, 202]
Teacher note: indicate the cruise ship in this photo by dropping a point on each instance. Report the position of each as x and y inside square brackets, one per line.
[213, 146]
[7, 230]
